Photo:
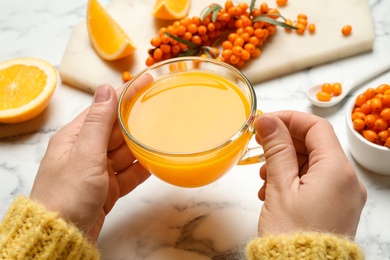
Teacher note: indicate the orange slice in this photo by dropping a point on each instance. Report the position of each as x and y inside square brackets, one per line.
[26, 87]
[171, 9]
[106, 36]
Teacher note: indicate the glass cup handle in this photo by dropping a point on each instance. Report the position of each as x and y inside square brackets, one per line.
[254, 154]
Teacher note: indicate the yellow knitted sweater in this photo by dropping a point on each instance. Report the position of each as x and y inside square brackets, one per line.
[29, 231]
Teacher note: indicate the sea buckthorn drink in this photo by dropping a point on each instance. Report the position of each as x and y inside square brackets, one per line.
[188, 120]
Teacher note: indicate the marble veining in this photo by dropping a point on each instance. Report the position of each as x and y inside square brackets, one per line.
[157, 220]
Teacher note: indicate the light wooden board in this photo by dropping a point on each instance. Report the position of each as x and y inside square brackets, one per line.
[283, 53]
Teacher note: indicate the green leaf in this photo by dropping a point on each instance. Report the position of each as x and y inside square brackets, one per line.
[210, 52]
[181, 40]
[190, 52]
[252, 6]
[214, 9]
[265, 18]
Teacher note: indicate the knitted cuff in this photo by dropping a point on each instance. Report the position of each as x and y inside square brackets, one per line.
[310, 245]
[30, 231]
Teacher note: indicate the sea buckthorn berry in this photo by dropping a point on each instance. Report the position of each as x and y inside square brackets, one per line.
[264, 8]
[337, 89]
[228, 4]
[346, 30]
[156, 41]
[387, 143]
[254, 40]
[237, 50]
[232, 37]
[256, 53]
[234, 59]
[366, 108]
[196, 20]
[245, 55]
[370, 93]
[386, 100]
[381, 124]
[311, 28]
[239, 42]
[196, 39]
[370, 135]
[385, 114]
[166, 48]
[356, 115]
[376, 104]
[323, 96]
[369, 120]
[202, 29]
[157, 54]
[126, 76]
[192, 28]
[281, 2]
[211, 27]
[227, 45]
[249, 30]
[382, 88]
[243, 6]
[358, 124]
[360, 100]
[302, 16]
[149, 61]
[227, 53]
[383, 135]
[181, 30]
[249, 47]
[327, 88]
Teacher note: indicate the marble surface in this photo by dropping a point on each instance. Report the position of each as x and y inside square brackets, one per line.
[159, 221]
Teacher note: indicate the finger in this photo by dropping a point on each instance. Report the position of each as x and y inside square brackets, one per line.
[116, 138]
[98, 123]
[319, 139]
[121, 158]
[262, 192]
[279, 152]
[263, 172]
[130, 178]
[316, 133]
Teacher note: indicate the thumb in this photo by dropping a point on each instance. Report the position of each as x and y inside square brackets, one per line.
[279, 152]
[96, 130]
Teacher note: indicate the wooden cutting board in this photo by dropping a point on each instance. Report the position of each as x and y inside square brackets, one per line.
[283, 53]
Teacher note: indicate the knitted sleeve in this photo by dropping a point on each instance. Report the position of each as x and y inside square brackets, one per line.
[303, 246]
[30, 231]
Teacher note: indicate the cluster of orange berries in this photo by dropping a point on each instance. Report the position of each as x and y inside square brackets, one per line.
[329, 90]
[244, 40]
[371, 115]
[301, 23]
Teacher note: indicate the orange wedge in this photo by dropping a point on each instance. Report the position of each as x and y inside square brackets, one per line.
[171, 9]
[26, 87]
[106, 36]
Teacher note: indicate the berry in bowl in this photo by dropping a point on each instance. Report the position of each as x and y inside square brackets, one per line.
[368, 129]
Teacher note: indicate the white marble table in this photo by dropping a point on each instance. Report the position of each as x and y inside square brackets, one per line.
[159, 221]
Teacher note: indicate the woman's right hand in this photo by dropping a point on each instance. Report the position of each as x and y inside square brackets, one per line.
[309, 183]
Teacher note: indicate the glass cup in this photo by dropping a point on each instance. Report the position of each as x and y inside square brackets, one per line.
[188, 165]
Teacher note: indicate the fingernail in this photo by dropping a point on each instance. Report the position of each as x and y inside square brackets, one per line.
[102, 94]
[267, 125]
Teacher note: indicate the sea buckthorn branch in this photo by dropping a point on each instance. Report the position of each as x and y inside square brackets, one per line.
[240, 32]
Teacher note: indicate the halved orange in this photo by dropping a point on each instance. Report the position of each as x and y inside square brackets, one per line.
[106, 35]
[26, 87]
[171, 9]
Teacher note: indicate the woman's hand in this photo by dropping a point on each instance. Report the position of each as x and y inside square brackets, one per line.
[88, 166]
[309, 183]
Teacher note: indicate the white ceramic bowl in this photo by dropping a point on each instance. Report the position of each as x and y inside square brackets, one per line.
[371, 156]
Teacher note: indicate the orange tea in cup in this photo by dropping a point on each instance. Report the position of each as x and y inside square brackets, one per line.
[188, 120]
